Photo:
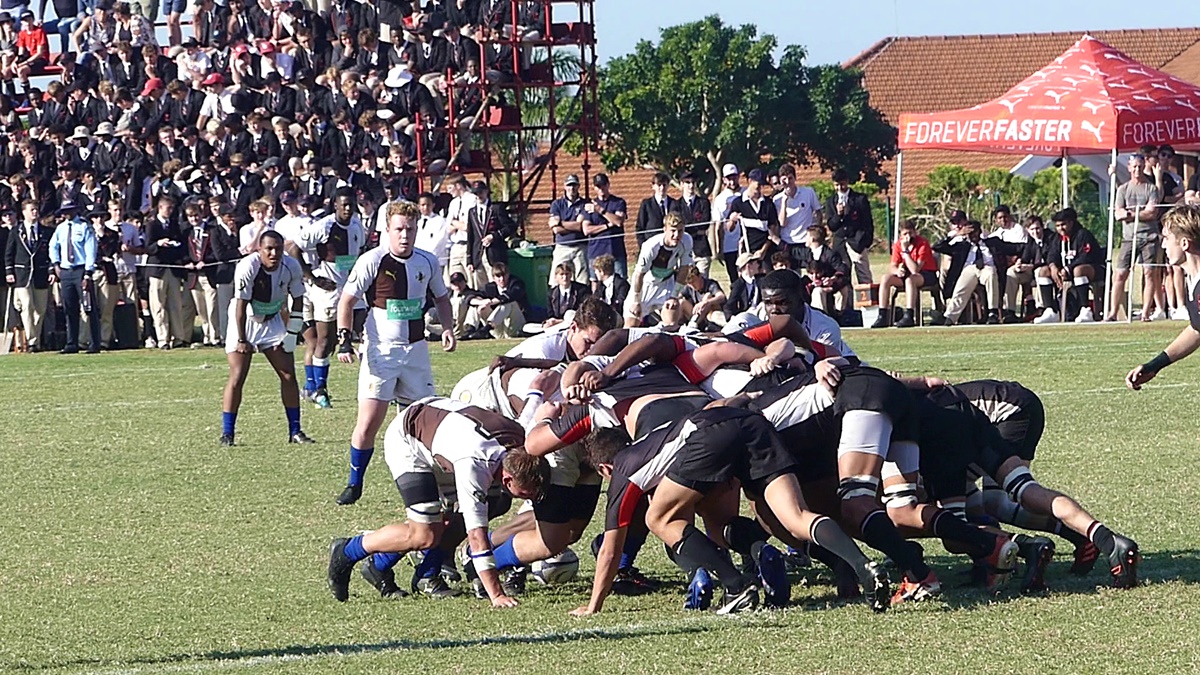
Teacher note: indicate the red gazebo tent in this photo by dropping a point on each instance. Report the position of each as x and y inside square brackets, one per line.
[1092, 99]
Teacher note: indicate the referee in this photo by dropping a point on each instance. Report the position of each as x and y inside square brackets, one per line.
[1181, 240]
[73, 252]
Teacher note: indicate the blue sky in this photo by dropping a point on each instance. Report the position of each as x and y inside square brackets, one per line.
[836, 30]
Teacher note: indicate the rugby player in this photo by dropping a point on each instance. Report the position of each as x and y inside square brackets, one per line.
[442, 451]
[1015, 497]
[691, 465]
[333, 244]
[393, 278]
[263, 282]
[1181, 241]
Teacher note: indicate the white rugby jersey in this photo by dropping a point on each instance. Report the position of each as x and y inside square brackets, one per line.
[266, 290]
[332, 248]
[394, 290]
[463, 441]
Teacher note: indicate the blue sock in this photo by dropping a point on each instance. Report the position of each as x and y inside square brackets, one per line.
[359, 459]
[293, 418]
[385, 561]
[633, 544]
[310, 378]
[431, 566]
[228, 421]
[320, 375]
[506, 555]
[355, 550]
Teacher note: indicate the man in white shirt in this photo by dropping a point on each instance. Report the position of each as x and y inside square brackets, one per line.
[433, 232]
[663, 262]
[730, 189]
[456, 218]
[798, 206]
[1020, 273]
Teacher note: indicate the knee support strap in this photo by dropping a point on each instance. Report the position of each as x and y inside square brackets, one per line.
[900, 496]
[1017, 482]
[853, 487]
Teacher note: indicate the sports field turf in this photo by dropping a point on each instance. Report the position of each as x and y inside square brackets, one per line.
[134, 544]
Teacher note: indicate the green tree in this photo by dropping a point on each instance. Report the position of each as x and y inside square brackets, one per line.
[707, 94]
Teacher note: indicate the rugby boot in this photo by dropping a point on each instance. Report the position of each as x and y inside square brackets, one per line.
[1124, 561]
[340, 567]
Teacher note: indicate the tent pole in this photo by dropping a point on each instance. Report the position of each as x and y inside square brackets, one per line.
[1065, 203]
[1109, 309]
[899, 183]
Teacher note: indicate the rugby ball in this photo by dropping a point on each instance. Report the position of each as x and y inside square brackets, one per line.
[557, 569]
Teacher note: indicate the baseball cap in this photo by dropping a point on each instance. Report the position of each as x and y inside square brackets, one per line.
[152, 85]
[572, 180]
[479, 187]
[687, 175]
[745, 257]
[213, 78]
[458, 278]
[729, 170]
[600, 180]
[288, 197]
[958, 216]
[757, 176]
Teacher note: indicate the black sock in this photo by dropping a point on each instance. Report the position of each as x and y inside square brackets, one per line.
[823, 555]
[1081, 294]
[829, 537]
[696, 550]
[1067, 533]
[1047, 293]
[1102, 537]
[949, 527]
[880, 534]
[742, 533]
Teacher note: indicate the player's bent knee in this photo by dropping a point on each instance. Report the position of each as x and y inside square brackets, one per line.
[900, 496]
[856, 487]
[1017, 482]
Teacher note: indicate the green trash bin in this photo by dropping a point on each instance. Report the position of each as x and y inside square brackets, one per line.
[532, 265]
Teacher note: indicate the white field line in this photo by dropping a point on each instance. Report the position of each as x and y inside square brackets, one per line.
[86, 405]
[111, 372]
[950, 353]
[1102, 390]
[319, 653]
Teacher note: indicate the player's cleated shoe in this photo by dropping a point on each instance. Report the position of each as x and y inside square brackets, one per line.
[450, 572]
[699, 591]
[307, 394]
[742, 601]
[876, 587]
[1039, 551]
[796, 560]
[1001, 562]
[910, 591]
[1085, 559]
[630, 581]
[349, 495]
[436, 587]
[1124, 561]
[227, 440]
[321, 398]
[513, 581]
[300, 438]
[772, 575]
[340, 567]
[384, 581]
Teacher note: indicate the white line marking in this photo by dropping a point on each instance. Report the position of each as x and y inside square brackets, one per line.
[1105, 390]
[324, 652]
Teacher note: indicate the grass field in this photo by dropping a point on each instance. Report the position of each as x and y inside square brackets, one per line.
[134, 544]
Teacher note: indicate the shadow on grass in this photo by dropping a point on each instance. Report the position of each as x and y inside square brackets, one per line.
[297, 652]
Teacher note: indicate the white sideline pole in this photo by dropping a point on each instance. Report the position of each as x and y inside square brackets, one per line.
[899, 182]
[1065, 203]
[1109, 300]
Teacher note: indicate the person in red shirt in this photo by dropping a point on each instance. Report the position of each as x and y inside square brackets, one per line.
[33, 49]
[913, 268]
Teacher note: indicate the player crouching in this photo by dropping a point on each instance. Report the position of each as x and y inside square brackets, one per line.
[444, 452]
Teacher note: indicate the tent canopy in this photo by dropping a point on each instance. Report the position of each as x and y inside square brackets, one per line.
[1092, 98]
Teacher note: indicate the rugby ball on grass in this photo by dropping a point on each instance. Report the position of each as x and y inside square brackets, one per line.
[557, 569]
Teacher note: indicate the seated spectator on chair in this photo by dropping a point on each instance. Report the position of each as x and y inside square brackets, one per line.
[702, 299]
[828, 272]
[913, 268]
[743, 292]
[1037, 253]
[1076, 262]
[610, 286]
[1020, 273]
[503, 304]
[974, 261]
[565, 296]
